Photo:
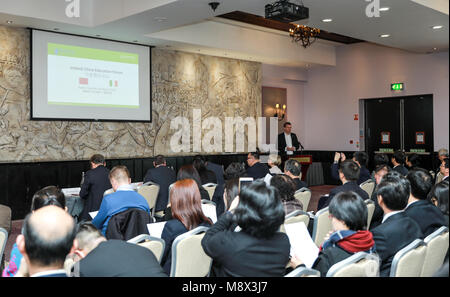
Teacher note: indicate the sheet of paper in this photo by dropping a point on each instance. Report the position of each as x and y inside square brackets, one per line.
[210, 211]
[156, 229]
[267, 179]
[93, 214]
[71, 191]
[302, 244]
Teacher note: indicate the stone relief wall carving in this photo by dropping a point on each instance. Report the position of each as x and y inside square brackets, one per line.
[181, 82]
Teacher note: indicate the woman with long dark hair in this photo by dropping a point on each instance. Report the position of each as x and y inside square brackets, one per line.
[187, 214]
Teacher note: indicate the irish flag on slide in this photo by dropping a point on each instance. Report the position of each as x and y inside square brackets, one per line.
[84, 76]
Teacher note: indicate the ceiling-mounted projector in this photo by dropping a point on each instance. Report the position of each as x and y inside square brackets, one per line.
[286, 12]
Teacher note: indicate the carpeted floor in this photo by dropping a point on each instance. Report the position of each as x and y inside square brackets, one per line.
[316, 193]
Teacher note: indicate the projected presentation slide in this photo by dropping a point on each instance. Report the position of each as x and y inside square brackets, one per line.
[91, 77]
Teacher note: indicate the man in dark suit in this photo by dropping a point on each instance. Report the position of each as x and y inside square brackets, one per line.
[218, 171]
[293, 169]
[47, 237]
[397, 229]
[256, 169]
[164, 177]
[287, 142]
[348, 174]
[96, 182]
[444, 170]
[398, 161]
[428, 216]
[97, 257]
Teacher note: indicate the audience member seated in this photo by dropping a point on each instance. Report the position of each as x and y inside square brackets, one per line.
[378, 213]
[189, 172]
[442, 154]
[379, 159]
[419, 208]
[230, 193]
[398, 161]
[206, 175]
[164, 177]
[217, 169]
[50, 195]
[96, 182]
[258, 249]
[359, 158]
[273, 162]
[444, 170]
[48, 237]
[348, 174]
[293, 169]
[256, 169]
[187, 214]
[286, 188]
[232, 174]
[439, 197]
[348, 214]
[123, 198]
[94, 256]
[412, 161]
[397, 229]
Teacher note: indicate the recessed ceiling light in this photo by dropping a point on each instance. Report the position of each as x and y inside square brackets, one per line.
[9, 22]
[437, 27]
[384, 8]
[435, 48]
[384, 35]
[327, 20]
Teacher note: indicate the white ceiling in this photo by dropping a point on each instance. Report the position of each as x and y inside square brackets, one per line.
[164, 22]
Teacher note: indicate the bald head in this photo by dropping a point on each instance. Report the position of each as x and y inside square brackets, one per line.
[48, 235]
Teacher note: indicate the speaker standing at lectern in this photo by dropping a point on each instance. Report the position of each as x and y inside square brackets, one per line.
[287, 142]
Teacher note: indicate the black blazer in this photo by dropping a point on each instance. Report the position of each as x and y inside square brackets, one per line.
[207, 176]
[324, 201]
[395, 233]
[96, 182]
[282, 143]
[428, 216]
[218, 171]
[117, 258]
[258, 170]
[299, 184]
[163, 176]
[240, 254]
[401, 169]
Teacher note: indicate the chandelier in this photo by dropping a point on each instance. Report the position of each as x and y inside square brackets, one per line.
[304, 34]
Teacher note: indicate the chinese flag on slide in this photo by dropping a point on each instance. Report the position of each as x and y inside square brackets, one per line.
[83, 81]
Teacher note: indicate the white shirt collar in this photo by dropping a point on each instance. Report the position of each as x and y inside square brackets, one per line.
[386, 216]
[125, 188]
[49, 272]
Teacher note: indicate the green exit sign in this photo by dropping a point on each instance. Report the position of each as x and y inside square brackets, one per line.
[397, 87]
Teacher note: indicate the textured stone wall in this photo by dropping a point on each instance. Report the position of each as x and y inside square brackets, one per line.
[181, 82]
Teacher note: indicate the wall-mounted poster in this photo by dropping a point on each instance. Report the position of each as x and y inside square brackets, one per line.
[385, 137]
[420, 137]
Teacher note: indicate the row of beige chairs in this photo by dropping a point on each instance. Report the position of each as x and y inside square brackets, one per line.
[188, 257]
[421, 258]
[3, 240]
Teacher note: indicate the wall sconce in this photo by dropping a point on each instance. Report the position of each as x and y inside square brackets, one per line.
[280, 113]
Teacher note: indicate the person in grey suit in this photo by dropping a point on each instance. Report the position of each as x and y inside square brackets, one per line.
[397, 229]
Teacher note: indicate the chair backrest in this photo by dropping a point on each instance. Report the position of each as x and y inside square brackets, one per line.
[210, 188]
[437, 247]
[154, 244]
[150, 192]
[370, 210]
[107, 192]
[322, 225]
[188, 257]
[304, 196]
[295, 217]
[358, 265]
[368, 186]
[3, 240]
[408, 262]
[303, 272]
